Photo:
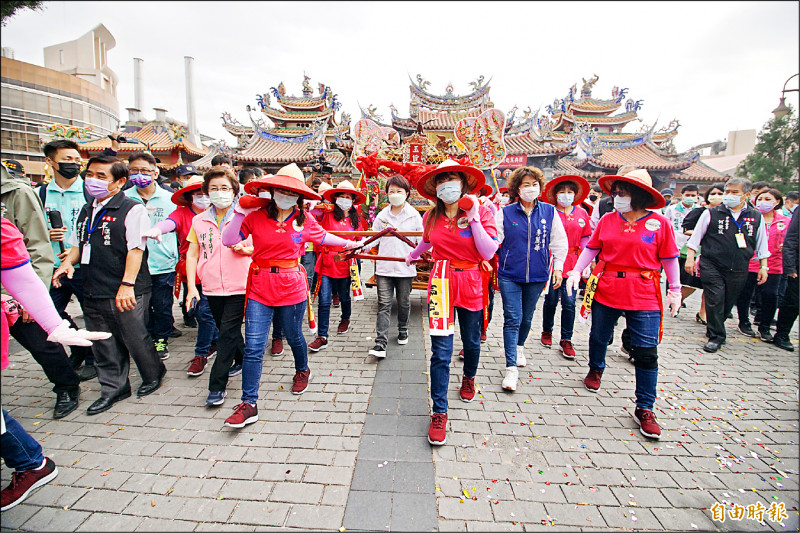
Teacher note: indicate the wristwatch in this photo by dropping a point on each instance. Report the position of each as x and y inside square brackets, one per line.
[764, 268]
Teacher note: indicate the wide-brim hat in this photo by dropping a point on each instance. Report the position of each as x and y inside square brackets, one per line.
[475, 178]
[255, 185]
[549, 193]
[179, 197]
[324, 186]
[638, 178]
[342, 187]
[486, 190]
[289, 178]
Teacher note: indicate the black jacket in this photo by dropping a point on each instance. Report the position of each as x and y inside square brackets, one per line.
[790, 245]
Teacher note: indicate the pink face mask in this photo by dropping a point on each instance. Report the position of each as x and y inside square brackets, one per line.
[96, 188]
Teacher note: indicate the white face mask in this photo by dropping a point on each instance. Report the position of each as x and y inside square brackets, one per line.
[221, 199]
[264, 194]
[529, 193]
[622, 204]
[397, 198]
[503, 200]
[344, 203]
[284, 201]
[565, 198]
[449, 192]
[201, 202]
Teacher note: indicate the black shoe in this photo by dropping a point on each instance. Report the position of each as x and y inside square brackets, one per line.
[66, 402]
[783, 343]
[402, 337]
[87, 372]
[747, 329]
[76, 359]
[765, 336]
[189, 321]
[151, 386]
[729, 316]
[104, 404]
[175, 333]
[162, 349]
[700, 320]
[378, 351]
[712, 346]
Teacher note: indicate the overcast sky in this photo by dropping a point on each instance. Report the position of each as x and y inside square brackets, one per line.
[715, 66]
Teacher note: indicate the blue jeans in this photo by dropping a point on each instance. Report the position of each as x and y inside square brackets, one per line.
[470, 323]
[159, 316]
[207, 331]
[643, 327]
[519, 302]
[309, 261]
[20, 451]
[567, 311]
[326, 288]
[257, 320]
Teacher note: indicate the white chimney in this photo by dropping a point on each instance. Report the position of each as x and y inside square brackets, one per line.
[138, 91]
[133, 114]
[8, 52]
[161, 115]
[191, 118]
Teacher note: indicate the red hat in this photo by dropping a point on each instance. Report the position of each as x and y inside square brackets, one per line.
[180, 197]
[486, 190]
[342, 187]
[289, 178]
[475, 178]
[639, 178]
[501, 190]
[549, 193]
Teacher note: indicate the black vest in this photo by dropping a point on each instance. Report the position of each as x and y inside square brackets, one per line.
[605, 205]
[109, 249]
[719, 244]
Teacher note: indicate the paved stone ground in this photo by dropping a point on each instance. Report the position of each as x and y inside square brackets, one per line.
[351, 452]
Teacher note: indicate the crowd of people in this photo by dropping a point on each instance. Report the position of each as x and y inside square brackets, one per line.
[256, 250]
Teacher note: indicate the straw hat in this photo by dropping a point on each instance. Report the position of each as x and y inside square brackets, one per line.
[324, 186]
[289, 178]
[475, 177]
[549, 193]
[639, 178]
[342, 187]
[180, 197]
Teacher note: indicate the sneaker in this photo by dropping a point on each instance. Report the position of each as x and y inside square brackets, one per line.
[378, 351]
[437, 433]
[402, 337]
[243, 414]
[344, 327]
[765, 336]
[461, 354]
[747, 329]
[521, 361]
[511, 377]
[161, 349]
[318, 344]
[216, 398]
[335, 300]
[300, 381]
[197, 366]
[175, 333]
[483, 337]
[277, 347]
[212, 350]
[467, 391]
[592, 380]
[547, 338]
[23, 483]
[234, 370]
[647, 423]
[567, 351]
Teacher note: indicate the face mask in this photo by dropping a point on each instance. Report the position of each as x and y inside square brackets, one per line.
[201, 202]
[622, 204]
[731, 200]
[503, 200]
[264, 194]
[565, 198]
[221, 199]
[791, 209]
[397, 198]
[141, 180]
[69, 170]
[689, 200]
[530, 193]
[96, 188]
[449, 192]
[284, 201]
[714, 200]
[344, 203]
[765, 206]
[592, 198]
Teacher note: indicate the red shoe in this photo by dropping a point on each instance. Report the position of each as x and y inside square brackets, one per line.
[23, 483]
[300, 382]
[547, 338]
[335, 302]
[483, 337]
[467, 390]
[647, 423]
[317, 344]
[277, 347]
[567, 350]
[344, 327]
[592, 380]
[437, 433]
[461, 354]
[212, 350]
[197, 366]
[243, 414]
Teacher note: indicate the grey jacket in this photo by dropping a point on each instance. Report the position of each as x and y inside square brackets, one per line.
[790, 244]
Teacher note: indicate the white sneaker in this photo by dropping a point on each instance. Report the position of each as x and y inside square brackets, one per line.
[521, 356]
[510, 381]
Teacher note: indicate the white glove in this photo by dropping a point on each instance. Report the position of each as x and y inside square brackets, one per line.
[474, 212]
[353, 244]
[587, 272]
[674, 302]
[573, 281]
[67, 336]
[244, 210]
[153, 233]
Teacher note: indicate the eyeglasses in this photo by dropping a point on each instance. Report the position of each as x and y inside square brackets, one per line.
[221, 189]
[141, 171]
[614, 194]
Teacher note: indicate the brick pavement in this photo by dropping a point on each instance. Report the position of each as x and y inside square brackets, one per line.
[351, 452]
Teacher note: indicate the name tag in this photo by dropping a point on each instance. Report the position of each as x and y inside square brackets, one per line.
[86, 253]
[740, 240]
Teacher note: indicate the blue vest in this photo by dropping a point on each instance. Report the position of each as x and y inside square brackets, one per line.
[524, 255]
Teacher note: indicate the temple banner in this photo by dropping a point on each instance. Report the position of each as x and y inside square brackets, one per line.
[482, 137]
[514, 161]
[371, 138]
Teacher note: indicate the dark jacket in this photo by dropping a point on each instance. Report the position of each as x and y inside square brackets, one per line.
[790, 245]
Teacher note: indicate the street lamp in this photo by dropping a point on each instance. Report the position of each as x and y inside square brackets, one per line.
[782, 110]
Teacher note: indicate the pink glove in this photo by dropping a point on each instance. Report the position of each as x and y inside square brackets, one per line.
[674, 301]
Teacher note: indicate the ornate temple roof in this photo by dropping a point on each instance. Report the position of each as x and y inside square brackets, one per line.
[282, 114]
[699, 171]
[159, 137]
[642, 156]
[439, 120]
[526, 144]
[478, 96]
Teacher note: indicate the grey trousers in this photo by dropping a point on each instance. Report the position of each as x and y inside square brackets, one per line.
[129, 339]
[402, 288]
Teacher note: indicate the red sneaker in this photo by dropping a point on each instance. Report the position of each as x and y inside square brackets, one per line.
[437, 433]
[212, 350]
[335, 300]
[592, 380]
[647, 423]
[483, 337]
[277, 347]
[344, 327]
[467, 390]
[567, 351]
[547, 338]
[23, 483]
[317, 344]
[300, 382]
[243, 414]
[461, 354]
[197, 366]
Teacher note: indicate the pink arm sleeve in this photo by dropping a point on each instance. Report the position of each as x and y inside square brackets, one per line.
[584, 241]
[672, 269]
[230, 235]
[421, 248]
[485, 244]
[26, 287]
[166, 225]
[586, 257]
[334, 240]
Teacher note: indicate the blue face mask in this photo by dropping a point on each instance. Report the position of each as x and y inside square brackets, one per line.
[731, 200]
[449, 192]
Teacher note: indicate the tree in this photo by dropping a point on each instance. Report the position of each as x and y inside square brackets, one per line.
[8, 9]
[776, 156]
